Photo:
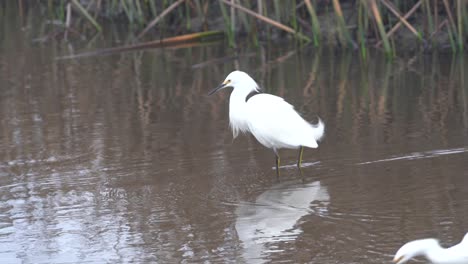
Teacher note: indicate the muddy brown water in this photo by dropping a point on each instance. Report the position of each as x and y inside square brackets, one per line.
[125, 158]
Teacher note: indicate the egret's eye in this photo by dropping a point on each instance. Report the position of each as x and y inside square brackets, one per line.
[228, 81]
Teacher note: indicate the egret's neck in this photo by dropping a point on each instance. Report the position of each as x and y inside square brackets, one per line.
[241, 92]
[237, 108]
[433, 251]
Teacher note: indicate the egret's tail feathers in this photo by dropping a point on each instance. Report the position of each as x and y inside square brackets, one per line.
[311, 144]
[318, 130]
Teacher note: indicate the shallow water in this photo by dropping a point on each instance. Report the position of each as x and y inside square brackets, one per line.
[125, 158]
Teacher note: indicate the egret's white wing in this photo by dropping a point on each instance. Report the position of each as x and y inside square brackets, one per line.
[276, 124]
[457, 254]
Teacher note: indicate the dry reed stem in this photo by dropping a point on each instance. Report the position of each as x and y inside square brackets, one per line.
[445, 22]
[313, 15]
[378, 19]
[344, 33]
[267, 20]
[68, 20]
[233, 18]
[395, 28]
[402, 19]
[449, 13]
[156, 20]
[460, 24]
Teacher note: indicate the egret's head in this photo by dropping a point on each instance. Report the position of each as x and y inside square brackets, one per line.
[414, 248]
[237, 79]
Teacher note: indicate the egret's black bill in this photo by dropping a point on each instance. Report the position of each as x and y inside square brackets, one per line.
[219, 87]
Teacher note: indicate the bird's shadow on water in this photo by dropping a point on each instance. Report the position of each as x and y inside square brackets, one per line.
[274, 216]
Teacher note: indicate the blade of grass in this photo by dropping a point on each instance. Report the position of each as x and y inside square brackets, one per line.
[453, 43]
[233, 19]
[153, 9]
[140, 17]
[381, 28]
[452, 28]
[362, 28]
[156, 20]
[315, 22]
[242, 16]
[428, 13]
[227, 21]
[342, 24]
[465, 20]
[293, 20]
[277, 9]
[449, 14]
[187, 16]
[460, 24]
[201, 11]
[87, 15]
[127, 11]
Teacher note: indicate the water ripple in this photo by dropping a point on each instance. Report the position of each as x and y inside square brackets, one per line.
[420, 155]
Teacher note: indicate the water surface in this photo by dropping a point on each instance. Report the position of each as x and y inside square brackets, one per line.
[125, 158]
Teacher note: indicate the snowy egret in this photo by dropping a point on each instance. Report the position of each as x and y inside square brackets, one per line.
[431, 249]
[272, 121]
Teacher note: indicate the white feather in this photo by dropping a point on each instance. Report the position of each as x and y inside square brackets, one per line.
[431, 249]
[275, 124]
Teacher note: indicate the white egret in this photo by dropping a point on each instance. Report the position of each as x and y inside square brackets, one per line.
[431, 249]
[272, 121]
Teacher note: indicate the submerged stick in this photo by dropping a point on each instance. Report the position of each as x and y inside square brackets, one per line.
[267, 20]
[150, 44]
[156, 20]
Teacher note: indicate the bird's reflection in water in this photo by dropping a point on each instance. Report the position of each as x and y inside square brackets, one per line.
[274, 215]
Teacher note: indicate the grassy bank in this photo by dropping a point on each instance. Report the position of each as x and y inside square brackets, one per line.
[392, 26]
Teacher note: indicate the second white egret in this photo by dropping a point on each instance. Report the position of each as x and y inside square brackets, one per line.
[270, 119]
[431, 249]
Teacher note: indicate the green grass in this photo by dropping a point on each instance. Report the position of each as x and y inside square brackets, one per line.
[357, 24]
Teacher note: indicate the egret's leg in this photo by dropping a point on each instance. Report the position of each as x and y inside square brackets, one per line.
[301, 174]
[299, 159]
[277, 162]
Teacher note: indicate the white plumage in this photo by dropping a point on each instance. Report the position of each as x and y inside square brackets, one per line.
[431, 249]
[275, 124]
[270, 119]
